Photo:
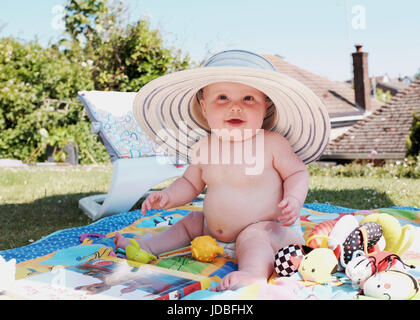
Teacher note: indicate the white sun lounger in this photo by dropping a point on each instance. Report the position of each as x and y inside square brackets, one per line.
[138, 163]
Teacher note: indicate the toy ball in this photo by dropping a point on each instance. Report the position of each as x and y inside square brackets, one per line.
[282, 262]
[205, 249]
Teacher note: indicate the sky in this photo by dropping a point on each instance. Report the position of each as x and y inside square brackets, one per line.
[316, 35]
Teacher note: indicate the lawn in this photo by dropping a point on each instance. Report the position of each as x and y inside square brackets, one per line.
[36, 201]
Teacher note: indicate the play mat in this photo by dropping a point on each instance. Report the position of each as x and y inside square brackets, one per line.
[89, 251]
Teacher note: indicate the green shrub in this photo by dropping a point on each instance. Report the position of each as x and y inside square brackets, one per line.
[29, 74]
[101, 52]
[130, 60]
[122, 56]
[407, 168]
[413, 140]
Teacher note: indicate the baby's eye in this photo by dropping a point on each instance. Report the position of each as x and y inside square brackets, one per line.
[249, 98]
[222, 97]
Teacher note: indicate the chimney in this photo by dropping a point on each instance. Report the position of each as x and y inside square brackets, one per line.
[361, 78]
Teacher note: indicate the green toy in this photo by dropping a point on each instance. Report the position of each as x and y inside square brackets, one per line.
[135, 253]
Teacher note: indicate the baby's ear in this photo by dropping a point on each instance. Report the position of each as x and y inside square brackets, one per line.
[203, 105]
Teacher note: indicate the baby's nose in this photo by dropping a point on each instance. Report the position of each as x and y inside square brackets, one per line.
[235, 108]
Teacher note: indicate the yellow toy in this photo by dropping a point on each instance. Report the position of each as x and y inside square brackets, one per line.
[205, 249]
[391, 285]
[135, 253]
[392, 232]
[317, 266]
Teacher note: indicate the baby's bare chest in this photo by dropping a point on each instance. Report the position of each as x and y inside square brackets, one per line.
[240, 175]
[241, 164]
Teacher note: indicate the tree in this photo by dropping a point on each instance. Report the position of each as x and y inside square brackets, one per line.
[413, 140]
[383, 96]
[99, 50]
[123, 56]
[30, 74]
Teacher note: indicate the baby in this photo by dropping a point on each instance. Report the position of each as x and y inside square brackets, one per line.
[255, 210]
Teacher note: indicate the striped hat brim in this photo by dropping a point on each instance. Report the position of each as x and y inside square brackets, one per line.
[168, 111]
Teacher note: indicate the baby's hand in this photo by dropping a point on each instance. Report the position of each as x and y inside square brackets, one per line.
[290, 210]
[155, 200]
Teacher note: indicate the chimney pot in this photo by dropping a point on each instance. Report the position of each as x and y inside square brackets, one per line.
[359, 47]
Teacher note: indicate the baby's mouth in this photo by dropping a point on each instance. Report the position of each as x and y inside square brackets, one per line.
[235, 121]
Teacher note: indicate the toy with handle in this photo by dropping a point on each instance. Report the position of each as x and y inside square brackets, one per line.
[205, 249]
[394, 234]
[202, 248]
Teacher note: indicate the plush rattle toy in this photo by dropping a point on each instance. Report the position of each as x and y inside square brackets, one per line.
[135, 253]
[205, 249]
[360, 241]
[313, 264]
[317, 266]
[362, 267]
[391, 285]
[332, 233]
[393, 233]
[282, 263]
[345, 237]
[341, 230]
[318, 238]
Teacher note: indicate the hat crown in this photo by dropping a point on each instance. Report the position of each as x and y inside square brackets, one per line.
[239, 58]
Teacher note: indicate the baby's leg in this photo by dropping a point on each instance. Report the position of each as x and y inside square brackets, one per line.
[177, 236]
[256, 246]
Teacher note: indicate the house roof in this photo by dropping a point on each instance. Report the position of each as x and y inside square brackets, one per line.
[337, 96]
[384, 132]
[395, 85]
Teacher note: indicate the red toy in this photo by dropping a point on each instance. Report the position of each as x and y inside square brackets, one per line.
[362, 267]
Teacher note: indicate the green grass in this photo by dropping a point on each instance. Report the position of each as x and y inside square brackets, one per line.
[363, 192]
[36, 201]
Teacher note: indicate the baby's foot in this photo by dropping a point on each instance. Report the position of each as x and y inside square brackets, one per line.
[238, 279]
[121, 241]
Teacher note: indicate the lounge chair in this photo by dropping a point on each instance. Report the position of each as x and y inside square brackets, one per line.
[138, 163]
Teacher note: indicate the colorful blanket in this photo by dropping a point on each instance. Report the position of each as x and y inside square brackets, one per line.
[73, 247]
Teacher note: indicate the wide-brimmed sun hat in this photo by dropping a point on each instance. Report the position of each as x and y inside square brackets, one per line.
[168, 110]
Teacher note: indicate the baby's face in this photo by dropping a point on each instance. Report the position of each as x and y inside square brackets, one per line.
[229, 105]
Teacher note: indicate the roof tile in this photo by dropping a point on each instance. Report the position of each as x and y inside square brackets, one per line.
[385, 130]
[337, 96]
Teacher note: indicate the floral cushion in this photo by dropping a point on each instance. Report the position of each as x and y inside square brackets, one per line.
[121, 135]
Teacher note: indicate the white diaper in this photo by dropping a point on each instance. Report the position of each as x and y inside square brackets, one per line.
[230, 247]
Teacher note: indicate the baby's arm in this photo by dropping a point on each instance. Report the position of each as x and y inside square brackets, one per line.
[295, 178]
[186, 188]
[181, 191]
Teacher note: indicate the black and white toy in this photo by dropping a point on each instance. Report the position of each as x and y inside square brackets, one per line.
[282, 263]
